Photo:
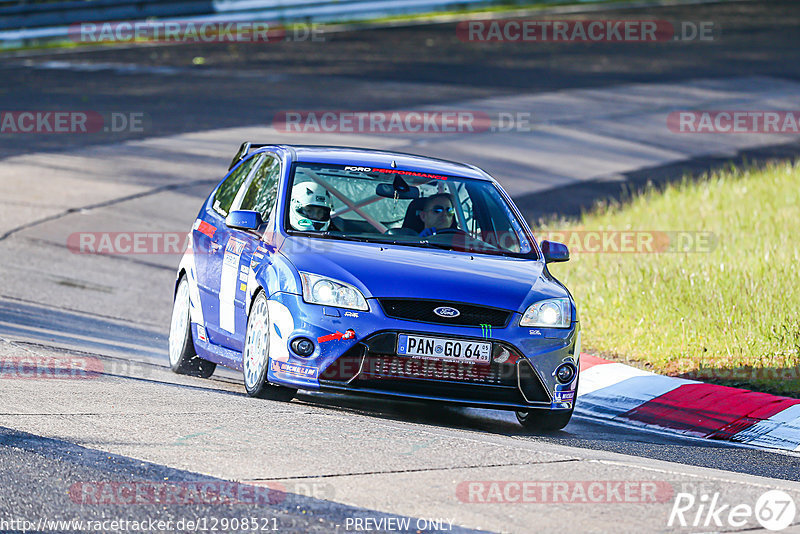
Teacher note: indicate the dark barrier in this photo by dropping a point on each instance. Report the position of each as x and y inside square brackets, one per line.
[34, 15]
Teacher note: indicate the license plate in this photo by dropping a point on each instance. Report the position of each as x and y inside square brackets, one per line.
[435, 348]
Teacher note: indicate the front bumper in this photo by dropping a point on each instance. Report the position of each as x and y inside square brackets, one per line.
[367, 363]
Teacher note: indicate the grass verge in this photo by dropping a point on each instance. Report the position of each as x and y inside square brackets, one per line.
[725, 310]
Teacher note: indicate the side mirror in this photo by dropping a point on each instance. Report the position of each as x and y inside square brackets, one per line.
[244, 220]
[554, 252]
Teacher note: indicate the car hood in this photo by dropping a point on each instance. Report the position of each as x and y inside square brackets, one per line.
[422, 273]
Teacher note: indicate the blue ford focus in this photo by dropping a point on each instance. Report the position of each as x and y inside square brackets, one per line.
[361, 271]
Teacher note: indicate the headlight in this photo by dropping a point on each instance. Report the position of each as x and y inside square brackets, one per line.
[329, 292]
[552, 313]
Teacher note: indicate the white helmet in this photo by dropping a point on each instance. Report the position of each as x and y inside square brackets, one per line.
[310, 207]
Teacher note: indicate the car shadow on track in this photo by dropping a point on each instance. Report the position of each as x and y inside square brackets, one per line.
[50, 325]
[422, 412]
[582, 432]
[89, 484]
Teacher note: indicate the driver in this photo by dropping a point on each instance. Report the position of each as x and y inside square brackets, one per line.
[310, 207]
[437, 214]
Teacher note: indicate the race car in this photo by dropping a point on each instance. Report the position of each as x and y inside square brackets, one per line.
[361, 271]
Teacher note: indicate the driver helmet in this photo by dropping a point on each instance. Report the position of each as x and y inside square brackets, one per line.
[310, 207]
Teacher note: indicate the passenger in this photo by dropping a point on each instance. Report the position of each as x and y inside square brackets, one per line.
[310, 207]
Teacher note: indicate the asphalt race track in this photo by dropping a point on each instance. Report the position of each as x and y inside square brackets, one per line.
[77, 447]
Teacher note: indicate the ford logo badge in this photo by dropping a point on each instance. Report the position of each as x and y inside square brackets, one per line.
[446, 311]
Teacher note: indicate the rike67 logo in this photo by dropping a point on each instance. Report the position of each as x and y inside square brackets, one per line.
[774, 510]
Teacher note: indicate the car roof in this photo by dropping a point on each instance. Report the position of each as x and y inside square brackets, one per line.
[381, 159]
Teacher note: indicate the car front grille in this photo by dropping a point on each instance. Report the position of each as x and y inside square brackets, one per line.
[372, 364]
[422, 311]
[384, 366]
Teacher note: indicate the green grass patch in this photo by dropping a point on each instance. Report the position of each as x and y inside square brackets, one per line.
[730, 315]
[500, 6]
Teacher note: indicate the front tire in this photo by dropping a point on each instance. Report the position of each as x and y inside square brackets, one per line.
[255, 356]
[544, 420]
[183, 358]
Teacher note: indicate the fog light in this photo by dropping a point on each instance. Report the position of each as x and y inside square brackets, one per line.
[303, 346]
[503, 356]
[565, 373]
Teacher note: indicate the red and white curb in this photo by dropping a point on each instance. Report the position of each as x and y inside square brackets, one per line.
[622, 393]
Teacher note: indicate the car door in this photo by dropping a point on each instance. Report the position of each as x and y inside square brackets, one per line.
[258, 194]
[211, 237]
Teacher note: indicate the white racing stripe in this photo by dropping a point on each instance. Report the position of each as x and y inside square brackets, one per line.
[229, 282]
[609, 390]
[781, 431]
[605, 375]
[626, 394]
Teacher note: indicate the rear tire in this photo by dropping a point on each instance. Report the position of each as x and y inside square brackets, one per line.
[183, 358]
[255, 356]
[544, 420]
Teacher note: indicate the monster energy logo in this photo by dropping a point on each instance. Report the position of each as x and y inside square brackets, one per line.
[486, 330]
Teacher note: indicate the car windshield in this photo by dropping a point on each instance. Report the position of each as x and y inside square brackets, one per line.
[403, 207]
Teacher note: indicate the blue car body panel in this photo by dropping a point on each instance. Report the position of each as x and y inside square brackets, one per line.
[232, 265]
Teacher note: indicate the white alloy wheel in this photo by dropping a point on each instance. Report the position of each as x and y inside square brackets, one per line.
[179, 327]
[183, 358]
[255, 355]
[256, 344]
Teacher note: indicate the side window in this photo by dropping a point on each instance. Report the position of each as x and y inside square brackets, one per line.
[263, 189]
[227, 191]
[465, 202]
[501, 231]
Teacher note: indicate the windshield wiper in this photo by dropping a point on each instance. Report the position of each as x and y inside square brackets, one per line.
[419, 244]
[328, 235]
[470, 250]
